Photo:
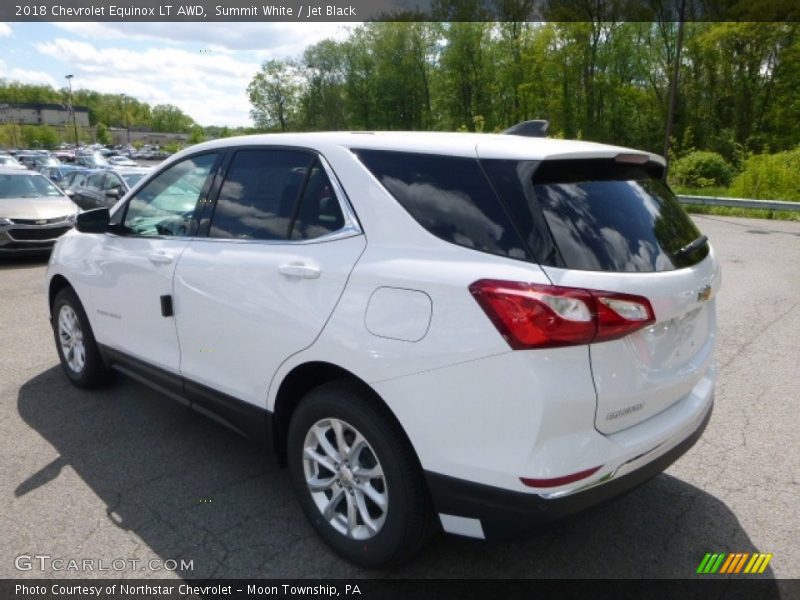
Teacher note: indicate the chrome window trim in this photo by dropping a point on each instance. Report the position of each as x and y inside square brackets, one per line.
[351, 228]
[350, 217]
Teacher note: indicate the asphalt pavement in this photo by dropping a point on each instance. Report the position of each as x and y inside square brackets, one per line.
[126, 474]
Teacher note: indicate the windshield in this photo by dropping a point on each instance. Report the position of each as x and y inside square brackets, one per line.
[8, 160]
[95, 160]
[27, 186]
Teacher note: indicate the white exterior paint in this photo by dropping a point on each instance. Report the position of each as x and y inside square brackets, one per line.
[472, 408]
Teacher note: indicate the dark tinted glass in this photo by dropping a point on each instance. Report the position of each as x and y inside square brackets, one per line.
[319, 211]
[616, 225]
[605, 216]
[513, 181]
[258, 196]
[448, 196]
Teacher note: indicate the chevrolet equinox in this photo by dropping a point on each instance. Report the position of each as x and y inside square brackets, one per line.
[469, 332]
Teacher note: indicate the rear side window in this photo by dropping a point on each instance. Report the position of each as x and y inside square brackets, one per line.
[258, 197]
[597, 215]
[95, 182]
[319, 212]
[449, 196]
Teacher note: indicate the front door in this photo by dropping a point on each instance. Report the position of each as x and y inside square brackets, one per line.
[135, 265]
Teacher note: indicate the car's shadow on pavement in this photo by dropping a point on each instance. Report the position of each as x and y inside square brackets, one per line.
[192, 490]
[23, 262]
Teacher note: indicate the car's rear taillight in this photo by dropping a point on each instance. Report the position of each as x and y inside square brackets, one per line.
[530, 315]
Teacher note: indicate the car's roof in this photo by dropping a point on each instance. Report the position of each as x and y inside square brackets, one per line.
[485, 145]
[13, 171]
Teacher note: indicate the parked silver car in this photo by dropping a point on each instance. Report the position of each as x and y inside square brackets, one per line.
[33, 212]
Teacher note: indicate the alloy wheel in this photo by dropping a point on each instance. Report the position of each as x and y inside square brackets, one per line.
[345, 478]
[70, 336]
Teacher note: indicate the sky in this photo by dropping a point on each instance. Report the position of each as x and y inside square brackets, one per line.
[202, 68]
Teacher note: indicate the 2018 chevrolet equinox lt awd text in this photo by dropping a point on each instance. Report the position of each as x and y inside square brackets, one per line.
[471, 332]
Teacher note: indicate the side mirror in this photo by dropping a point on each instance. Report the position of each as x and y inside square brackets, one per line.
[69, 192]
[93, 221]
[113, 193]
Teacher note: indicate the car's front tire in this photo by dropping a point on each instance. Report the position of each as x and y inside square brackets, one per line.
[357, 478]
[75, 343]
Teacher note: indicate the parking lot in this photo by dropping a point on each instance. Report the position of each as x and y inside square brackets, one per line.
[126, 473]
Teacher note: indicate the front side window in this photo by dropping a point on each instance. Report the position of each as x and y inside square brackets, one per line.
[166, 205]
[112, 182]
[259, 194]
[95, 182]
[74, 179]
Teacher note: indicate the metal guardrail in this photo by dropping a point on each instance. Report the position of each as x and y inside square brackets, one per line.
[740, 202]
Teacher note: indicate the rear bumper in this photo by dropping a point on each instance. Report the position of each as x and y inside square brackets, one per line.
[483, 511]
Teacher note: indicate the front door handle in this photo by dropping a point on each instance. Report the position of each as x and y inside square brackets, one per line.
[299, 270]
[160, 258]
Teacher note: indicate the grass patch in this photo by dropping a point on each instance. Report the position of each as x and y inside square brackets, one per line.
[714, 191]
[753, 213]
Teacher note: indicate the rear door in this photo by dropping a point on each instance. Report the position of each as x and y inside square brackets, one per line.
[611, 225]
[281, 242]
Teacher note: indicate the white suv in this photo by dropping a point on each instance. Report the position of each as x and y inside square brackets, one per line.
[474, 332]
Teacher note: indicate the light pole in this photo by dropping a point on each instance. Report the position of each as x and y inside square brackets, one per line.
[127, 123]
[72, 108]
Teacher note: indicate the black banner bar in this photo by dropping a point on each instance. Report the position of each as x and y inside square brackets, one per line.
[734, 588]
[396, 10]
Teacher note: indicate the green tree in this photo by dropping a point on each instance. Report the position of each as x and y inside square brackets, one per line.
[196, 135]
[274, 95]
[101, 132]
[170, 119]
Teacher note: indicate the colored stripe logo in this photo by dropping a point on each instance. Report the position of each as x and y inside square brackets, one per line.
[733, 563]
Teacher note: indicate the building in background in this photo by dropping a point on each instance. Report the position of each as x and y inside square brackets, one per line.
[57, 115]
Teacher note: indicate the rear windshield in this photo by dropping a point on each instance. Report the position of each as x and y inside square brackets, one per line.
[601, 215]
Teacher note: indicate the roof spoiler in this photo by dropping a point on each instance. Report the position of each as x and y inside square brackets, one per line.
[535, 128]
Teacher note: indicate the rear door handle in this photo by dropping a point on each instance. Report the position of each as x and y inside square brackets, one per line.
[160, 258]
[299, 270]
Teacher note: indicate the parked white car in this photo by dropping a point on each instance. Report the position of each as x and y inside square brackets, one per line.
[474, 332]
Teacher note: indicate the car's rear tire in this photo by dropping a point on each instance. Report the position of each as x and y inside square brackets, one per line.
[379, 510]
[75, 343]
